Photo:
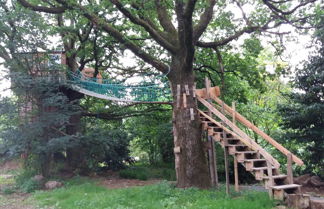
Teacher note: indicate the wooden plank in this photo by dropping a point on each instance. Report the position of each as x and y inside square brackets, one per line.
[187, 90]
[286, 186]
[214, 91]
[201, 92]
[178, 95]
[236, 176]
[192, 114]
[250, 125]
[177, 150]
[184, 100]
[289, 169]
[248, 141]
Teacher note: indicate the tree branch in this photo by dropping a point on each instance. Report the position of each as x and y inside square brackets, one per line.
[204, 20]
[156, 35]
[275, 9]
[164, 17]
[51, 10]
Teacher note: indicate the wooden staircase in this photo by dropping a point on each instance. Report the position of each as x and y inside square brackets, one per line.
[247, 152]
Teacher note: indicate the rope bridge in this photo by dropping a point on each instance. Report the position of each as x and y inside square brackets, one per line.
[120, 92]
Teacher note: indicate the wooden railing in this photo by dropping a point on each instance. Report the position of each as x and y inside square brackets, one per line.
[237, 132]
[251, 126]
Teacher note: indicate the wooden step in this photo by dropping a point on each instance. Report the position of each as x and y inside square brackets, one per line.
[281, 176]
[259, 172]
[261, 168]
[253, 163]
[275, 178]
[286, 186]
[232, 148]
[241, 155]
[279, 191]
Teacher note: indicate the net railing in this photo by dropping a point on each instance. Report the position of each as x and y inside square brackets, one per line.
[143, 92]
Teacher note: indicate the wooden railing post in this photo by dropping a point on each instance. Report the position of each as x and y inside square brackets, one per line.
[289, 169]
[270, 183]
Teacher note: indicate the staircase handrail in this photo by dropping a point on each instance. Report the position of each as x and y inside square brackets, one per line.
[251, 126]
[236, 131]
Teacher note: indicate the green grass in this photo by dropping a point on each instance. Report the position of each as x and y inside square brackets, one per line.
[81, 195]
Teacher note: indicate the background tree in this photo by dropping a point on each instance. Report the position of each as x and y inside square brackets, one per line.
[304, 113]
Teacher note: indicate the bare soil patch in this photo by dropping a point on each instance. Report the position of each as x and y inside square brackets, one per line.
[11, 165]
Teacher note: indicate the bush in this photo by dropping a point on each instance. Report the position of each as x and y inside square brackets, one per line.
[26, 183]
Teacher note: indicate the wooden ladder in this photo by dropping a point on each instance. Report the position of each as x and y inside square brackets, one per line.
[247, 152]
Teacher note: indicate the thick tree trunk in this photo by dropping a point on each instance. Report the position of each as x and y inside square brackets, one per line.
[191, 161]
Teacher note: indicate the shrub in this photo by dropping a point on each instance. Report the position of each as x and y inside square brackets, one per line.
[26, 183]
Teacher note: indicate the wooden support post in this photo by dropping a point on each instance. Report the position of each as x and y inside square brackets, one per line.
[289, 169]
[211, 162]
[215, 163]
[236, 177]
[226, 169]
[271, 182]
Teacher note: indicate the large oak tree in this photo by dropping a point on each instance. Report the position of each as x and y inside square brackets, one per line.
[178, 27]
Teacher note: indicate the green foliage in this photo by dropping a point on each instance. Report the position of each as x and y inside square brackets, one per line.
[163, 195]
[26, 183]
[304, 114]
[107, 147]
[152, 134]
[143, 172]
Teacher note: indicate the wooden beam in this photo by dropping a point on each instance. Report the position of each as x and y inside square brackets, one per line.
[244, 137]
[250, 125]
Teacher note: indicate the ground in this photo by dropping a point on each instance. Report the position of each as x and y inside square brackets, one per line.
[9, 200]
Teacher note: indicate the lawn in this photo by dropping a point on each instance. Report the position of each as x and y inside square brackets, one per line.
[85, 194]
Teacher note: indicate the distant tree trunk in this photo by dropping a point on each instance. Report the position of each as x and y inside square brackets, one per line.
[191, 162]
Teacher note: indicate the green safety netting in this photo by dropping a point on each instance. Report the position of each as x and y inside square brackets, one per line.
[106, 88]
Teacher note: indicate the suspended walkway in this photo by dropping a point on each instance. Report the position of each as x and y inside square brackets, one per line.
[144, 92]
